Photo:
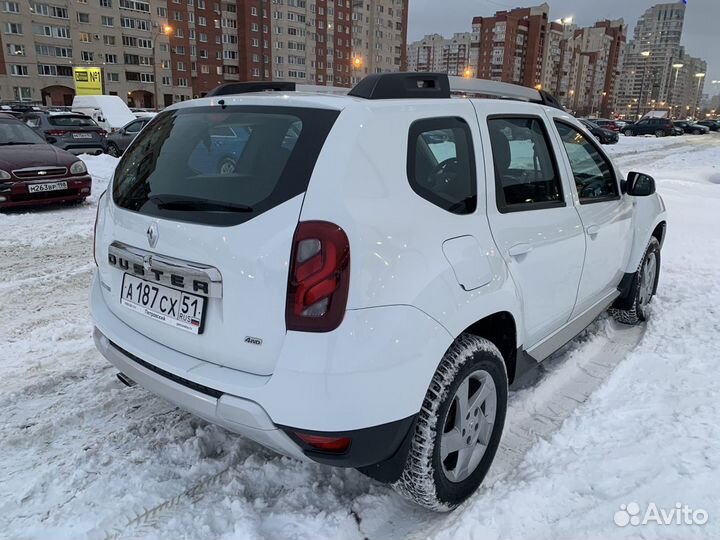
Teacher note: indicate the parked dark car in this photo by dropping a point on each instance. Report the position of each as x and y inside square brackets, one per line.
[691, 127]
[660, 127]
[605, 136]
[118, 141]
[605, 123]
[713, 125]
[33, 172]
[74, 132]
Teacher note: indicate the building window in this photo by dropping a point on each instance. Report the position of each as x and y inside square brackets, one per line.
[181, 66]
[84, 37]
[10, 7]
[106, 21]
[18, 70]
[87, 56]
[15, 49]
[109, 40]
[22, 93]
[111, 58]
[83, 17]
[113, 77]
[13, 28]
[106, 3]
[162, 12]
[167, 81]
[182, 82]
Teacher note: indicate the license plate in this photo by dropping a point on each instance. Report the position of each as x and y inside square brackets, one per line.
[41, 188]
[164, 304]
[82, 135]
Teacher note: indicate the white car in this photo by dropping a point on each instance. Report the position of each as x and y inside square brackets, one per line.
[365, 282]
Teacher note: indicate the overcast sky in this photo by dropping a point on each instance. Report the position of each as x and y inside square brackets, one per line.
[701, 33]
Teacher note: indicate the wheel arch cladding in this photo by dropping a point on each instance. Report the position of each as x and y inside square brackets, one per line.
[500, 329]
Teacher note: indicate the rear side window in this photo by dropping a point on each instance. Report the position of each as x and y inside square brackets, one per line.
[71, 121]
[441, 164]
[526, 173]
[221, 166]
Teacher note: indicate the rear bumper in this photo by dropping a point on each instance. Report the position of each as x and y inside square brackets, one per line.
[367, 384]
[233, 413]
[16, 194]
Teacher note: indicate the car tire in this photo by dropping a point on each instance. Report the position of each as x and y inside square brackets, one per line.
[113, 150]
[659, 133]
[635, 305]
[472, 378]
[696, 132]
[628, 133]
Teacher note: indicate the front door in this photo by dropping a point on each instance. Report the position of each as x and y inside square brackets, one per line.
[533, 220]
[606, 215]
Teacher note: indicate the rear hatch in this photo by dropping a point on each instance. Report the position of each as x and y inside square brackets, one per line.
[75, 129]
[205, 203]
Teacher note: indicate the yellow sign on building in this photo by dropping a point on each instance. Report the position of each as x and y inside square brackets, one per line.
[88, 81]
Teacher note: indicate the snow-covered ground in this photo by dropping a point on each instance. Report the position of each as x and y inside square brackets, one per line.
[84, 457]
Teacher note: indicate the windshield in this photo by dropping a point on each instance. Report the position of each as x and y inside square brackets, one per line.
[221, 166]
[71, 121]
[15, 132]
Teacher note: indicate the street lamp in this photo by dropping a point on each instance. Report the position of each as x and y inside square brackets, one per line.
[166, 30]
[467, 73]
[700, 77]
[673, 96]
[645, 55]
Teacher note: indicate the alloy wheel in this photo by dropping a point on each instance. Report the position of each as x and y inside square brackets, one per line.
[468, 426]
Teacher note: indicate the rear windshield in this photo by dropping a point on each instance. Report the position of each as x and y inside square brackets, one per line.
[71, 121]
[221, 166]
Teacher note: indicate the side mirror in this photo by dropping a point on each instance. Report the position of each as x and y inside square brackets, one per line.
[640, 185]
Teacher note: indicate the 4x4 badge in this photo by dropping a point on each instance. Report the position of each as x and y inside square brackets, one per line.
[153, 234]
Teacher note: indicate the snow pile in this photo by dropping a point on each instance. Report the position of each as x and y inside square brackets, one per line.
[84, 457]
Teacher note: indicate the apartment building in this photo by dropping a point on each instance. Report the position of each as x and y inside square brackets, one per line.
[42, 40]
[593, 59]
[180, 49]
[686, 86]
[435, 53]
[510, 46]
[648, 75]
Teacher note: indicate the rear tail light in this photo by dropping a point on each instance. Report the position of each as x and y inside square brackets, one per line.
[319, 277]
[335, 445]
[56, 132]
[101, 132]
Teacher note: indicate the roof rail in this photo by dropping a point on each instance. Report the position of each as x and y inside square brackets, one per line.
[231, 88]
[402, 85]
[247, 87]
[440, 85]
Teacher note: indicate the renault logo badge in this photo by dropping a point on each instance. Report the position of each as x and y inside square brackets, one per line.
[153, 235]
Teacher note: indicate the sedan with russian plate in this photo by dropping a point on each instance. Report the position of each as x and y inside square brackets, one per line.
[33, 172]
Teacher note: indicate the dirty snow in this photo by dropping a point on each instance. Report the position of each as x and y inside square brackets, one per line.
[85, 457]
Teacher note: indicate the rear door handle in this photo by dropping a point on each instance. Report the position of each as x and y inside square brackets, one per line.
[519, 249]
[593, 230]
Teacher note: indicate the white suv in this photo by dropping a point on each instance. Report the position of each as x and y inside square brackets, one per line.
[355, 280]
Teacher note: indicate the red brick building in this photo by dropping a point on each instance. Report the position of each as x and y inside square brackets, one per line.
[511, 45]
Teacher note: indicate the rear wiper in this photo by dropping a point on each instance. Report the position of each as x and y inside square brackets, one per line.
[194, 204]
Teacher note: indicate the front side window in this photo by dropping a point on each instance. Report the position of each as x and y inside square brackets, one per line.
[526, 174]
[441, 164]
[221, 166]
[594, 176]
